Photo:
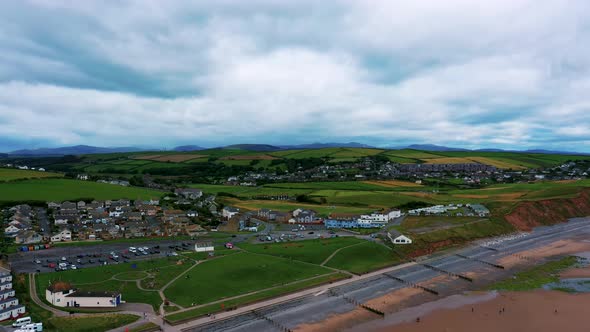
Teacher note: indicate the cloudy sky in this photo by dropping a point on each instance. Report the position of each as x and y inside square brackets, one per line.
[508, 74]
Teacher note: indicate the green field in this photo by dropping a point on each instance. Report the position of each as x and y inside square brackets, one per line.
[62, 190]
[235, 275]
[89, 324]
[311, 251]
[11, 174]
[105, 278]
[364, 257]
[227, 305]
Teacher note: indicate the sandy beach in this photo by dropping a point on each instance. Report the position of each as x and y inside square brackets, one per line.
[539, 311]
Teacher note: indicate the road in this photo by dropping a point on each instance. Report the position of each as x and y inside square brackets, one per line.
[317, 304]
[43, 221]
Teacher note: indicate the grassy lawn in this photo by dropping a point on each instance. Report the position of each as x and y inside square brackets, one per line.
[89, 324]
[144, 327]
[99, 279]
[363, 258]
[62, 190]
[102, 273]
[163, 275]
[131, 275]
[237, 274]
[213, 308]
[10, 174]
[536, 277]
[311, 251]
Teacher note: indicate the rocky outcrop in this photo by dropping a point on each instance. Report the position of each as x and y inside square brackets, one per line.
[549, 212]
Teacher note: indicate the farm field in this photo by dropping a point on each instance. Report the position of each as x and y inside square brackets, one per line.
[363, 258]
[393, 183]
[285, 206]
[11, 174]
[175, 158]
[310, 251]
[62, 190]
[237, 274]
[157, 162]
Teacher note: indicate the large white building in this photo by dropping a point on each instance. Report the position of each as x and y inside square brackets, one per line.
[62, 294]
[204, 247]
[378, 218]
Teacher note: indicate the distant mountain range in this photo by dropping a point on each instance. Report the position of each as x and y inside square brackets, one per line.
[184, 148]
[326, 145]
[86, 149]
[73, 150]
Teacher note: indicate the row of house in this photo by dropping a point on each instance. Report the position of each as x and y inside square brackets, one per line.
[9, 305]
[459, 210]
[108, 219]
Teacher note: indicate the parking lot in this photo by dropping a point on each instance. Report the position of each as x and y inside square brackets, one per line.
[94, 255]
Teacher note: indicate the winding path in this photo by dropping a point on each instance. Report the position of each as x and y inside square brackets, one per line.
[336, 251]
[37, 300]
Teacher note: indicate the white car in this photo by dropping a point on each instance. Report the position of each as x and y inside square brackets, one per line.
[73, 267]
[64, 259]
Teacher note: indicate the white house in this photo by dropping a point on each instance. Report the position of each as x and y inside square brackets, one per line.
[64, 235]
[204, 247]
[9, 302]
[5, 285]
[11, 230]
[399, 238]
[12, 312]
[61, 294]
[229, 211]
[5, 277]
[61, 221]
[7, 293]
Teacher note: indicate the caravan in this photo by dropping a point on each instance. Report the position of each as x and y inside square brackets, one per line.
[22, 322]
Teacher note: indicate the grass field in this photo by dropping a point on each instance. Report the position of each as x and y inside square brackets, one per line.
[11, 174]
[103, 278]
[311, 251]
[362, 258]
[265, 294]
[89, 324]
[237, 274]
[62, 190]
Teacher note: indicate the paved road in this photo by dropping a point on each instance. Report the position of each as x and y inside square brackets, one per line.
[317, 304]
[44, 223]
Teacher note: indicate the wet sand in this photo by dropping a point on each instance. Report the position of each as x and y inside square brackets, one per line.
[358, 315]
[523, 311]
[556, 248]
[582, 272]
